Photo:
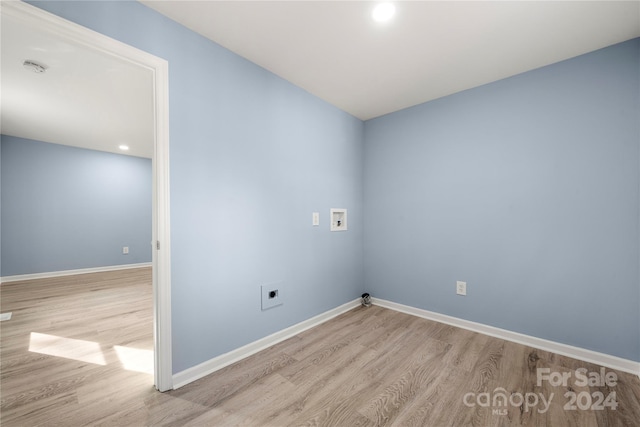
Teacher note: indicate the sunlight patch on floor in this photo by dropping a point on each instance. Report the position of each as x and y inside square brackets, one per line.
[132, 359]
[135, 359]
[68, 348]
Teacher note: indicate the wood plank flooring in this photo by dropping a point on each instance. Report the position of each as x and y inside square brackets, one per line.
[64, 351]
[368, 367]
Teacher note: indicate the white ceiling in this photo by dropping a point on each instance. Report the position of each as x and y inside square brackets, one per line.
[430, 49]
[84, 99]
[330, 48]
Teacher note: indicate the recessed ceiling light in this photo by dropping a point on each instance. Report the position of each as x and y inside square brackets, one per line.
[123, 147]
[34, 66]
[383, 12]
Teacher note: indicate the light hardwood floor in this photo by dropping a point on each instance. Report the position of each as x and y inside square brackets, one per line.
[368, 367]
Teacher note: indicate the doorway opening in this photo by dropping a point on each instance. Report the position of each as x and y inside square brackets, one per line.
[68, 32]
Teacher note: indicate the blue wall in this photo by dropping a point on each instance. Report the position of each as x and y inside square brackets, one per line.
[66, 208]
[252, 156]
[527, 189]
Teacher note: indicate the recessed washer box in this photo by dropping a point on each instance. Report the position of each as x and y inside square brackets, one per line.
[271, 295]
[338, 219]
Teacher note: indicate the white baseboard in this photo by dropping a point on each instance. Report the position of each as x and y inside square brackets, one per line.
[194, 373]
[20, 277]
[205, 368]
[585, 355]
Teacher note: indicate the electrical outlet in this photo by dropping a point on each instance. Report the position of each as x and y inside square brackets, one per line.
[125, 250]
[461, 288]
[271, 295]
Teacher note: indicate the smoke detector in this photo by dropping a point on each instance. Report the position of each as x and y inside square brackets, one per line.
[34, 66]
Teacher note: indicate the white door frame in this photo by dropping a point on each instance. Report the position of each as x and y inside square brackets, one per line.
[34, 17]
